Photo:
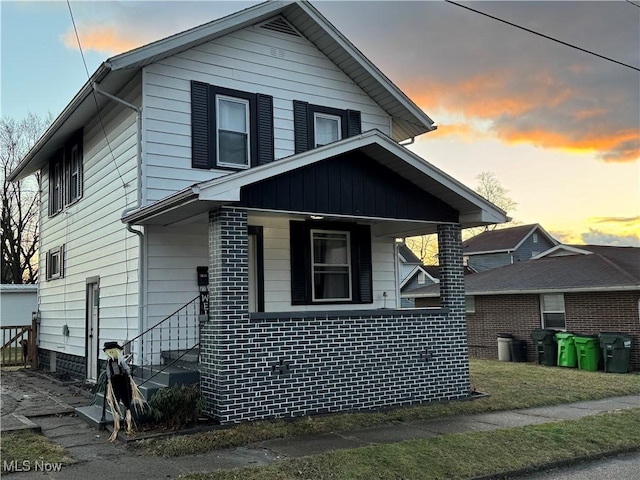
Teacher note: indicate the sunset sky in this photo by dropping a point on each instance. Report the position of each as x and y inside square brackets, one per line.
[560, 128]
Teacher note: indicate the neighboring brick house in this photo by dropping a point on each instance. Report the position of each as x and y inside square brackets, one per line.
[504, 246]
[582, 289]
[256, 158]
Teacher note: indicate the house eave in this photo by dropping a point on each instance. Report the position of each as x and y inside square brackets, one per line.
[534, 291]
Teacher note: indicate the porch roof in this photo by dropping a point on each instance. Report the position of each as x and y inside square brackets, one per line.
[473, 210]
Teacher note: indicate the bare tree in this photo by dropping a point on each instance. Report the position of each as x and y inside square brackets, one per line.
[426, 246]
[19, 220]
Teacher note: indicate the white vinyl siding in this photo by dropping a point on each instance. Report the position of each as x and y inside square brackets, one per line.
[96, 243]
[251, 60]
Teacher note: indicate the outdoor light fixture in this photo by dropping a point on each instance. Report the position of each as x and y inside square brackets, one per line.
[316, 217]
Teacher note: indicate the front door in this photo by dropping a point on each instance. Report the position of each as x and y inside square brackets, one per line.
[93, 303]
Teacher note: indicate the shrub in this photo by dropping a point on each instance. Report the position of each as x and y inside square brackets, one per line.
[177, 406]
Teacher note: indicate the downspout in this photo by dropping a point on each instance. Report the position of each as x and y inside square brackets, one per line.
[129, 227]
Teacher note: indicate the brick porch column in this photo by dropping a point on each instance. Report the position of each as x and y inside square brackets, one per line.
[452, 297]
[228, 308]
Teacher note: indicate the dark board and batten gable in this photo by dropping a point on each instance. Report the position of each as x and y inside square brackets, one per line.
[350, 184]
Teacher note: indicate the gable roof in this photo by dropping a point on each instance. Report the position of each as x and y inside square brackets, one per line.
[113, 74]
[503, 240]
[199, 198]
[604, 268]
[417, 269]
[407, 255]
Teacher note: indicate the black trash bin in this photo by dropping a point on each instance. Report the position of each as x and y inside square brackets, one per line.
[518, 350]
[616, 351]
[544, 341]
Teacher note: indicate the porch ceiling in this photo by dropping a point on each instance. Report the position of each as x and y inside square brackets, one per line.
[472, 210]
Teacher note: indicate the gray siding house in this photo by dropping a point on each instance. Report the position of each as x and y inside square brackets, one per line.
[240, 189]
[496, 248]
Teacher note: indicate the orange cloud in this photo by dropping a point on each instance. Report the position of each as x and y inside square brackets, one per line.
[464, 130]
[101, 38]
[536, 109]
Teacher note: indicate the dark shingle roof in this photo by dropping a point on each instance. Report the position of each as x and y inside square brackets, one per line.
[504, 239]
[607, 268]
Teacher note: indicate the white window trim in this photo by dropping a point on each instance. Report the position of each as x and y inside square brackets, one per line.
[328, 116]
[247, 112]
[543, 311]
[348, 265]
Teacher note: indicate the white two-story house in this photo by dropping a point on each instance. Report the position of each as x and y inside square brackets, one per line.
[257, 158]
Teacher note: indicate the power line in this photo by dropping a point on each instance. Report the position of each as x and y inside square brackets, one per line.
[95, 99]
[633, 3]
[545, 36]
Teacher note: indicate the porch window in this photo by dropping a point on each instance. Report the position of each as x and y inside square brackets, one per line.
[233, 134]
[330, 265]
[553, 314]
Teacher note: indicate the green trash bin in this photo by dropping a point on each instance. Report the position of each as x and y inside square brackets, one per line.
[546, 346]
[616, 350]
[587, 351]
[566, 350]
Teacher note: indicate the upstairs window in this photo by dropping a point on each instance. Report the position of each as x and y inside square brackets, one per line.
[327, 128]
[317, 125]
[552, 308]
[66, 175]
[230, 129]
[233, 149]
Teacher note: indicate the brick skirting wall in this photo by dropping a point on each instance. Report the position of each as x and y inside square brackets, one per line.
[256, 366]
[73, 365]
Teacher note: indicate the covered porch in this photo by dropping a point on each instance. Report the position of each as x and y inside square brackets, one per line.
[276, 341]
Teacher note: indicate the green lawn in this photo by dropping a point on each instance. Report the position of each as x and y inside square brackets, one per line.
[460, 456]
[510, 386]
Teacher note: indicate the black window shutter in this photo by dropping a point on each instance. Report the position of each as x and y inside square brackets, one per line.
[200, 127]
[300, 126]
[265, 128]
[300, 263]
[361, 248]
[354, 123]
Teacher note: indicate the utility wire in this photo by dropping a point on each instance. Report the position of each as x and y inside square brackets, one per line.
[543, 35]
[633, 3]
[95, 99]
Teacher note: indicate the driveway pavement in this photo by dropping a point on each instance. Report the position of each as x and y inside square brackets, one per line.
[31, 401]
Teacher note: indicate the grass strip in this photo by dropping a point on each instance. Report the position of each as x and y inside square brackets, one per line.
[31, 447]
[459, 456]
[511, 386]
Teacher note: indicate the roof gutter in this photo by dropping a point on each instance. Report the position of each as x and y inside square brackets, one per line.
[536, 291]
[81, 96]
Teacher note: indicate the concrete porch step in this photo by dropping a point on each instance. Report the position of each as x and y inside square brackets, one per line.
[190, 358]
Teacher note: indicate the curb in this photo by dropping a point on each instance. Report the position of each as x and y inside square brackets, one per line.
[557, 464]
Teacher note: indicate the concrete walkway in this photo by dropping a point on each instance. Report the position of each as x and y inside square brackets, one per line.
[34, 402]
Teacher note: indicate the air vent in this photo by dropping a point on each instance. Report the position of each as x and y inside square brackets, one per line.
[280, 25]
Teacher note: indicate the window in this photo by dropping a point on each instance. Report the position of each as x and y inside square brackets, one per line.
[327, 128]
[55, 263]
[330, 265]
[74, 177]
[470, 304]
[232, 120]
[552, 307]
[317, 125]
[65, 175]
[535, 238]
[230, 129]
[422, 278]
[55, 186]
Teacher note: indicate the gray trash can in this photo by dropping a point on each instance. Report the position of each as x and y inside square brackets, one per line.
[504, 347]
